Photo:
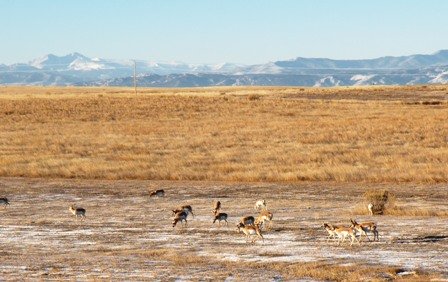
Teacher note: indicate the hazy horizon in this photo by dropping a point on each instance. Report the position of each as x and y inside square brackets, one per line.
[200, 32]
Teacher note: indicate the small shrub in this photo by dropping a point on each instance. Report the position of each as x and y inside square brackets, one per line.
[253, 97]
[381, 199]
[432, 102]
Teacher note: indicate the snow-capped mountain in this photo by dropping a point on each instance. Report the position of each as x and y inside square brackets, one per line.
[53, 62]
[404, 62]
[76, 62]
[78, 69]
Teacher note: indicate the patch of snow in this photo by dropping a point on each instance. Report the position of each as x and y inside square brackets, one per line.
[85, 65]
[327, 81]
[361, 79]
[441, 78]
[271, 68]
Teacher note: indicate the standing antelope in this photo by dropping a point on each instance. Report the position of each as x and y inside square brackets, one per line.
[330, 229]
[364, 228]
[180, 216]
[4, 201]
[78, 212]
[344, 232]
[249, 230]
[260, 204]
[264, 216]
[187, 209]
[158, 193]
[370, 208]
[219, 217]
[216, 207]
[248, 220]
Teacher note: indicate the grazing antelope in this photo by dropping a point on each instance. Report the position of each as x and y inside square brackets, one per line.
[364, 228]
[370, 208]
[187, 209]
[216, 207]
[4, 201]
[158, 193]
[344, 232]
[248, 220]
[330, 229]
[180, 216]
[260, 204]
[249, 230]
[78, 212]
[219, 217]
[264, 216]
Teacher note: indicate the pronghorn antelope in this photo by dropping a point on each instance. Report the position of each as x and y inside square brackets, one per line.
[264, 216]
[187, 209]
[180, 216]
[344, 232]
[4, 201]
[216, 207]
[260, 204]
[330, 229]
[364, 228]
[219, 217]
[370, 208]
[78, 212]
[158, 193]
[249, 230]
[248, 220]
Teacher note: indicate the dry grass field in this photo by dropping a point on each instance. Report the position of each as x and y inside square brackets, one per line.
[312, 153]
[370, 134]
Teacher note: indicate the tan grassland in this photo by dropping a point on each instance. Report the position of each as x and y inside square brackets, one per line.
[343, 134]
[311, 153]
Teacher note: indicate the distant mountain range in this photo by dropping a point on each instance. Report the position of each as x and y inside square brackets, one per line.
[77, 69]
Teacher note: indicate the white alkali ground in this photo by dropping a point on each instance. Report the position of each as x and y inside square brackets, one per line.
[132, 222]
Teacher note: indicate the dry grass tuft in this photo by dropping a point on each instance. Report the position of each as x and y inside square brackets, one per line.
[381, 199]
[403, 210]
[253, 97]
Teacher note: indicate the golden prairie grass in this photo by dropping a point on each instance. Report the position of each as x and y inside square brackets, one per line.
[314, 270]
[403, 209]
[372, 134]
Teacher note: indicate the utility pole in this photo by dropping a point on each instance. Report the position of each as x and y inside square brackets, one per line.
[135, 78]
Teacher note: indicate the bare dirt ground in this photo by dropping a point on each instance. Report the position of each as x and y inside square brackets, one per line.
[128, 236]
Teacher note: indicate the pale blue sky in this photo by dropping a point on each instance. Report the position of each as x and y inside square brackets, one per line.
[207, 31]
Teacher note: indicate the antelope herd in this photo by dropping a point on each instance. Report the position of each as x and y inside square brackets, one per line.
[252, 227]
